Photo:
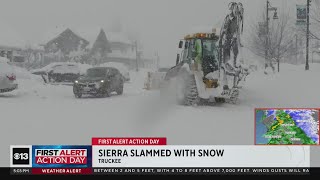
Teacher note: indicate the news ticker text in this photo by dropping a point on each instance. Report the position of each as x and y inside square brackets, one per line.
[162, 171]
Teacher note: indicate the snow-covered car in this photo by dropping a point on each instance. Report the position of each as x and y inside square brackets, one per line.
[7, 76]
[124, 70]
[64, 73]
[61, 71]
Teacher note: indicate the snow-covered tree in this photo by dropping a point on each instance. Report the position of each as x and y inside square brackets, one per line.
[96, 58]
[77, 55]
[315, 20]
[32, 57]
[100, 49]
[281, 40]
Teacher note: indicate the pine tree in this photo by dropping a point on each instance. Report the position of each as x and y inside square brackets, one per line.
[100, 48]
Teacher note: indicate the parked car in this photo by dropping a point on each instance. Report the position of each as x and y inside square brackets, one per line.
[7, 76]
[124, 70]
[64, 73]
[59, 72]
[99, 81]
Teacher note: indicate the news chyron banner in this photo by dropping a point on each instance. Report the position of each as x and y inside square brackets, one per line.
[152, 156]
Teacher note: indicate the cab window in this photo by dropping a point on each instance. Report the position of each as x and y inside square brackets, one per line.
[192, 49]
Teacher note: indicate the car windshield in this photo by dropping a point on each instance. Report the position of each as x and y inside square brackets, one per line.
[96, 72]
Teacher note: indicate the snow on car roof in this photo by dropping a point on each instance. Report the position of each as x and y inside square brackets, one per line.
[82, 67]
[66, 68]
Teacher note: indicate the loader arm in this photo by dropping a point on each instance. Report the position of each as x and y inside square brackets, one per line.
[173, 72]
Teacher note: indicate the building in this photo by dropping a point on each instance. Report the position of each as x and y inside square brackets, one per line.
[25, 57]
[14, 54]
[122, 49]
[66, 42]
[111, 46]
[100, 47]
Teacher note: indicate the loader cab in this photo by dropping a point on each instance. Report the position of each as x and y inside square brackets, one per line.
[207, 46]
[186, 51]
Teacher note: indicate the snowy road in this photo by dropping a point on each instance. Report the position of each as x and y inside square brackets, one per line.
[49, 114]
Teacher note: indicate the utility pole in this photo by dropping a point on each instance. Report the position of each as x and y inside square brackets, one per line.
[267, 36]
[308, 32]
[296, 48]
[136, 47]
[275, 16]
[157, 60]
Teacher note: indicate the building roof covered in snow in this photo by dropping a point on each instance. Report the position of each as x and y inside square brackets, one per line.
[91, 33]
[117, 44]
[66, 41]
[101, 44]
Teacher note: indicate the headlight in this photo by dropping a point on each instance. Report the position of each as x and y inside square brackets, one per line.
[102, 81]
[76, 82]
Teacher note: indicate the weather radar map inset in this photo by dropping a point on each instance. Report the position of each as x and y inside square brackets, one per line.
[287, 126]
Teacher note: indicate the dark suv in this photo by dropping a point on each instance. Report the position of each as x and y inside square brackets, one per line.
[99, 81]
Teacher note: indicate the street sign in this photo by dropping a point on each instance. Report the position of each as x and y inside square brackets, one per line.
[301, 15]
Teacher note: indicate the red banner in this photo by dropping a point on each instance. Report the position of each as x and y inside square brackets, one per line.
[129, 141]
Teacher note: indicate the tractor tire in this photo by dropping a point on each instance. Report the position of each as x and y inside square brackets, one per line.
[180, 89]
[191, 95]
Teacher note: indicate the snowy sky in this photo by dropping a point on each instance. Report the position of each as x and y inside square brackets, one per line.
[158, 23]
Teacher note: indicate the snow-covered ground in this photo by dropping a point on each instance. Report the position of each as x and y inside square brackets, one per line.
[39, 113]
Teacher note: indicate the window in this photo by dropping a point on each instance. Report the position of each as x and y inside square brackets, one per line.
[209, 48]
[191, 49]
[96, 72]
